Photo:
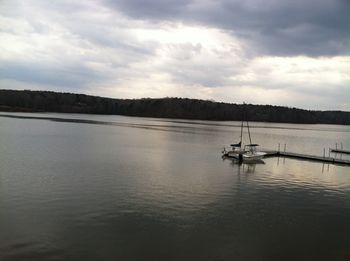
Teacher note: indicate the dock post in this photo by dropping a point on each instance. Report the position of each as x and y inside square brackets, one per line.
[285, 147]
[324, 152]
[329, 152]
[341, 146]
[336, 146]
[279, 147]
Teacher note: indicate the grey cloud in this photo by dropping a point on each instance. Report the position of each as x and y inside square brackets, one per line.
[74, 76]
[154, 9]
[106, 38]
[286, 28]
[88, 46]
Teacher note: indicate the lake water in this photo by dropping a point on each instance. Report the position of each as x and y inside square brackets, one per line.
[89, 187]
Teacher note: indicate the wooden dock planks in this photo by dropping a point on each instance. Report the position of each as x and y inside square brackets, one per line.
[271, 153]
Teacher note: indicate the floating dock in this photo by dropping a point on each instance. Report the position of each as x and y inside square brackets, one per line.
[340, 151]
[328, 160]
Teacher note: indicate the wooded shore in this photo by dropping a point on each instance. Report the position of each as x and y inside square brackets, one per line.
[182, 108]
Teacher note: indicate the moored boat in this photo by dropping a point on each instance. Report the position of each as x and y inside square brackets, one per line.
[251, 153]
[248, 153]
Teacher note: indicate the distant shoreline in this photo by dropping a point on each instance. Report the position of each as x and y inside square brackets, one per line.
[168, 108]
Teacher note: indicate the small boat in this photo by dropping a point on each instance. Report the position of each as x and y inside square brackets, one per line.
[251, 154]
[248, 152]
[236, 150]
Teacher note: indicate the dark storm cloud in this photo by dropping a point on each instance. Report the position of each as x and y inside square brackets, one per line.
[272, 27]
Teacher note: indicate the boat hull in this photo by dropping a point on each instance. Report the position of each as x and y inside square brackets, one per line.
[258, 155]
[233, 154]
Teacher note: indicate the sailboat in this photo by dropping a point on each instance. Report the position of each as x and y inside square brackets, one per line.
[236, 150]
[248, 153]
[251, 154]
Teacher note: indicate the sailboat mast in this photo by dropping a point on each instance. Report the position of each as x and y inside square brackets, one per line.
[246, 118]
[240, 143]
[250, 139]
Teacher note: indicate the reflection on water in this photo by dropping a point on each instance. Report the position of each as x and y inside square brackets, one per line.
[245, 166]
[89, 187]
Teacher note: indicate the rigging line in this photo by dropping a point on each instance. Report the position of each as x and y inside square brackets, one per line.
[241, 134]
[250, 139]
[246, 118]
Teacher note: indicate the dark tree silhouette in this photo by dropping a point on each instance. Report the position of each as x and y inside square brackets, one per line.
[182, 108]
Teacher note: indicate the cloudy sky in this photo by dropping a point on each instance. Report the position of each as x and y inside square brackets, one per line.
[281, 52]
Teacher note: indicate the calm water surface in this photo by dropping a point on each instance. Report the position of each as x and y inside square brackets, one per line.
[87, 187]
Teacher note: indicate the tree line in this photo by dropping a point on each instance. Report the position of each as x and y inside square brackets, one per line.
[182, 108]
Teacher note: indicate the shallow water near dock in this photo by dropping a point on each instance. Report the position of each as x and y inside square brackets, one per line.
[94, 187]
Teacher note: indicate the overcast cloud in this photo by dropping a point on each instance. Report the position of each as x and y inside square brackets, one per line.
[294, 53]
